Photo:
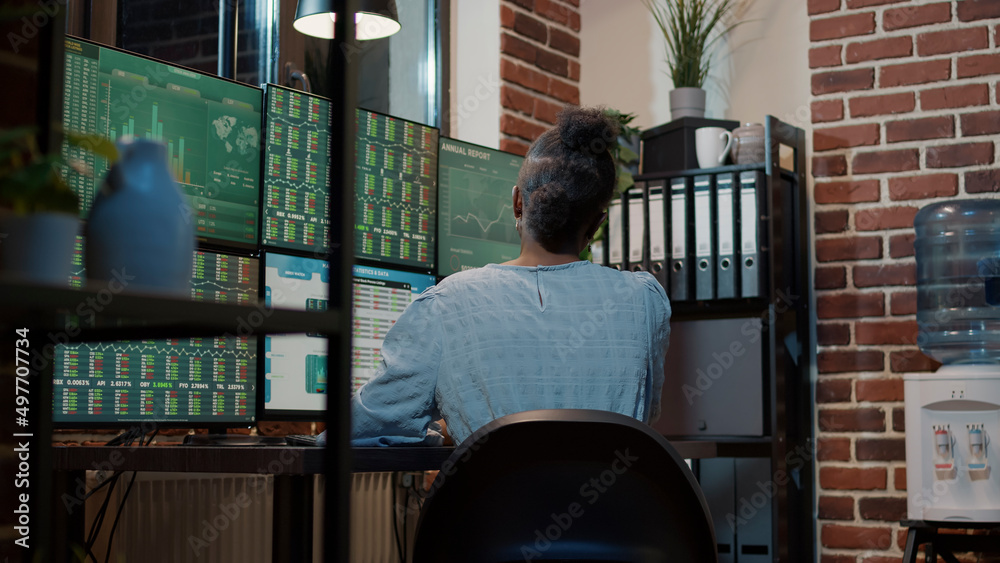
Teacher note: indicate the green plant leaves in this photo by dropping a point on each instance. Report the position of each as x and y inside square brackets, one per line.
[30, 182]
[690, 29]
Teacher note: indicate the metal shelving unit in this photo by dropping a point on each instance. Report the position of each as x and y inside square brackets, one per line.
[787, 349]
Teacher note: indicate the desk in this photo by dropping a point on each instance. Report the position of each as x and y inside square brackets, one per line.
[293, 492]
[920, 532]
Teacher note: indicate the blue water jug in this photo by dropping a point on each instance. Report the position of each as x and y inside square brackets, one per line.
[958, 280]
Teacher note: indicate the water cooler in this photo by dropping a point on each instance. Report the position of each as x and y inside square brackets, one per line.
[953, 415]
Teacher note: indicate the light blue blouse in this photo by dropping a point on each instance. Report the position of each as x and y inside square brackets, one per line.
[504, 339]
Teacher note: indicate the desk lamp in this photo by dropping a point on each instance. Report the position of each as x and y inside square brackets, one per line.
[375, 19]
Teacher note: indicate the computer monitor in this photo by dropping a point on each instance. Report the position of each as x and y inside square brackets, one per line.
[476, 223]
[294, 365]
[395, 214]
[178, 382]
[297, 171]
[379, 298]
[295, 377]
[211, 127]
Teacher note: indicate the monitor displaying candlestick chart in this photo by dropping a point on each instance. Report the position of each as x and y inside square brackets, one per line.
[198, 381]
[209, 125]
[476, 223]
[296, 170]
[295, 376]
[395, 213]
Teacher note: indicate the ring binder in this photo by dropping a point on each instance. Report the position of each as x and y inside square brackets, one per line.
[679, 286]
[704, 266]
[749, 236]
[725, 266]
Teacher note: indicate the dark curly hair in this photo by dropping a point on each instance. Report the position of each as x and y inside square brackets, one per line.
[568, 175]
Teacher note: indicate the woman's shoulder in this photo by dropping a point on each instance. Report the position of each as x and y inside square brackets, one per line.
[645, 283]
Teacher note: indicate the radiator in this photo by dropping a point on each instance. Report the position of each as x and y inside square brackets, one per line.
[227, 518]
[190, 517]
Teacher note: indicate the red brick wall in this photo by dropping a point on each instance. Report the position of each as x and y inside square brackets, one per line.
[539, 67]
[905, 110]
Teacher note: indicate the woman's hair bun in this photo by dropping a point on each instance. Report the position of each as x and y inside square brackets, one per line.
[586, 129]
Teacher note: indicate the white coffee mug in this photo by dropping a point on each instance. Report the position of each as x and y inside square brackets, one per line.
[712, 146]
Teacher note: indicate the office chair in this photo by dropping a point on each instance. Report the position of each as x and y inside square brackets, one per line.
[565, 485]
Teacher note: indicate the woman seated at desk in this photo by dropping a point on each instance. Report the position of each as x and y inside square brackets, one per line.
[545, 330]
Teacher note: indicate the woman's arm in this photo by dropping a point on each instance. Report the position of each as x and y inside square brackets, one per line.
[397, 405]
[658, 309]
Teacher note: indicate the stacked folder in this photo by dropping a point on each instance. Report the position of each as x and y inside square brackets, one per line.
[700, 235]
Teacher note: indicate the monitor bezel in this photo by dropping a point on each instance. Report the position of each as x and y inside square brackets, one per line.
[229, 245]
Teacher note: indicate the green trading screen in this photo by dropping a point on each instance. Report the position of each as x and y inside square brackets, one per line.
[476, 226]
[297, 171]
[178, 381]
[395, 210]
[211, 127]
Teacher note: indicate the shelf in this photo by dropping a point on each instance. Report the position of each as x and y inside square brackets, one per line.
[785, 174]
[729, 446]
[148, 316]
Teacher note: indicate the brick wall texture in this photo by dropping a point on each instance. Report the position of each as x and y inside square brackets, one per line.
[539, 67]
[187, 33]
[906, 110]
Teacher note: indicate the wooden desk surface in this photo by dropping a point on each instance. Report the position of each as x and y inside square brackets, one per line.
[271, 460]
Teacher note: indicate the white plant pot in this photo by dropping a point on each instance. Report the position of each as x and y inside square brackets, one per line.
[38, 247]
[140, 229]
[687, 102]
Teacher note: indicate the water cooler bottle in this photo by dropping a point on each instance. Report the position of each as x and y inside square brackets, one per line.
[953, 415]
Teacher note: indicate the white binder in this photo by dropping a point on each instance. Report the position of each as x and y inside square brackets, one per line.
[615, 236]
[725, 270]
[657, 234]
[749, 236]
[636, 222]
[680, 277]
[704, 246]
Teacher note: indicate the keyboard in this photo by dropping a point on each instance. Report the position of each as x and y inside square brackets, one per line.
[302, 440]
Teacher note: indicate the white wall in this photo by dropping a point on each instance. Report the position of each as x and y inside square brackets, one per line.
[621, 58]
[475, 71]
[767, 72]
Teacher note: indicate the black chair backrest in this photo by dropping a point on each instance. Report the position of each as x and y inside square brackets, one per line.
[565, 485]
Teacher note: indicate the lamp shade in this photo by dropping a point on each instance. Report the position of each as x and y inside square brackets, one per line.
[375, 19]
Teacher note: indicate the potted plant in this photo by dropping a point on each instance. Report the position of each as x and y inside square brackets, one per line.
[690, 29]
[626, 159]
[39, 213]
